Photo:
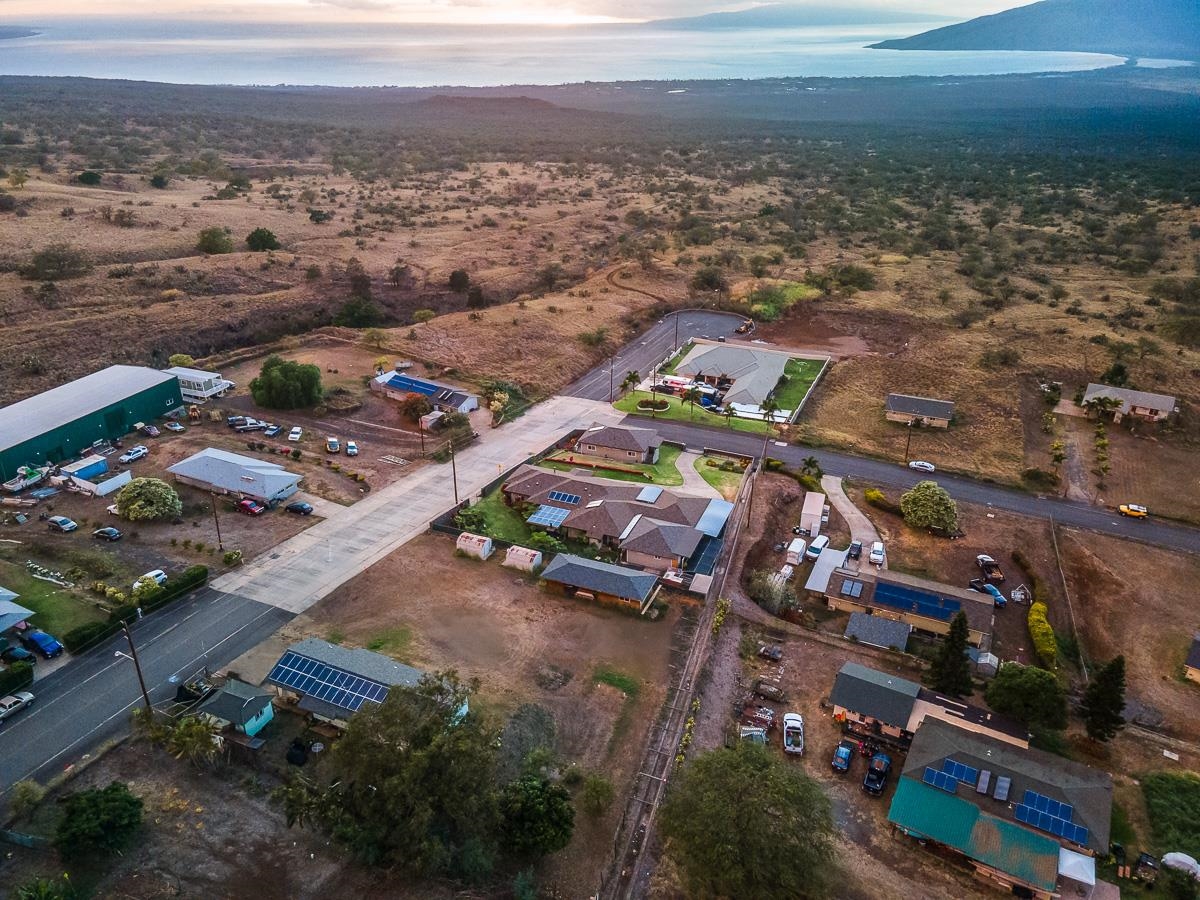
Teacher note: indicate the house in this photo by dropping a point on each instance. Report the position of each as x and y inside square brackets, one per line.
[636, 445]
[659, 546]
[523, 558]
[589, 579]
[877, 631]
[1022, 817]
[223, 472]
[441, 397]
[1138, 404]
[826, 564]
[876, 704]
[1191, 666]
[11, 612]
[926, 605]
[747, 376]
[906, 409]
[196, 385]
[477, 546]
[332, 683]
[812, 514]
[65, 422]
[240, 706]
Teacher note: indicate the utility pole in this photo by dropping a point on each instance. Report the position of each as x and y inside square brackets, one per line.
[453, 470]
[138, 668]
[676, 329]
[217, 522]
[908, 440]
[611, 362]
[421, 432]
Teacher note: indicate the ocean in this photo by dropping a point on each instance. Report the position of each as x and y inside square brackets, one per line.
[431, 55]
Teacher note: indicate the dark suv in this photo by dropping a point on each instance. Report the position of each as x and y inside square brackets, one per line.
[855, 551]
[877, 774]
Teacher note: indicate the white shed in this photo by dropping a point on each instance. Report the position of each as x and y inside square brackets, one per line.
[475, 545]
[812, 514]
[795, 552]
[523, 558]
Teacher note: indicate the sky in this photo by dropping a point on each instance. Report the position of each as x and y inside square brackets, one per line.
[465, 12]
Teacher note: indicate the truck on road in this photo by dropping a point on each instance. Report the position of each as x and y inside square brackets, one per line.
[990, 568]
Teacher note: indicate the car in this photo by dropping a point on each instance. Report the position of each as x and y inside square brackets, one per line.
[174, 426]
[351, 448]
[773, 652]
[234, 421]
[720, 338]
[1133, 510]
[819, 543]
[251, 425]
[113, 509]
[793, 733]
[843, 756]
[17, 654]
[662, 389]
[159, 576]
[752, 734]
[61, 524]
[41, 643]
[997, 598]
[14, 703]
[300, 508]
[150, 431]
[296, 433]
[136, 452]
[876, 556]
[921, 465]
[107, 533]
[877, 774]
[769, 691]
[272, 430]
[855, 550]
[332, 445]
[250, 507]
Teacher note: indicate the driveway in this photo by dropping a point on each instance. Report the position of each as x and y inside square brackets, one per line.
[693, 483]
[861, 528]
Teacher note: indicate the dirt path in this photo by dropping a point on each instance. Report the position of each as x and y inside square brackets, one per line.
[1074, 468]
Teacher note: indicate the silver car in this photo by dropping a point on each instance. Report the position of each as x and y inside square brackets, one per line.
[14, 703]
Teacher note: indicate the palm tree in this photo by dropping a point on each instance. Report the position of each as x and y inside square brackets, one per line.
[810, 466]
[690, 396]
[769, 408]
[194, 738]
[632, 380]
[730, 414]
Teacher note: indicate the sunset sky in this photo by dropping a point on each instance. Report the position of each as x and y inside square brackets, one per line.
[446, 11]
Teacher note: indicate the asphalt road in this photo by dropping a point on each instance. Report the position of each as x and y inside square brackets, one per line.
[1064, 512]
[647, 351]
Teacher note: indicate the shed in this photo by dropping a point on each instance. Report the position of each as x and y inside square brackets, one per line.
[811, 514]
[795, 552]
[594, 580]
[476, 545]
[88, 467]
[523, 558]
[240, 706]
[1191, 666]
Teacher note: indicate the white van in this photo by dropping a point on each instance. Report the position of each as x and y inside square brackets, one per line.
[876, 556]
[819, 543]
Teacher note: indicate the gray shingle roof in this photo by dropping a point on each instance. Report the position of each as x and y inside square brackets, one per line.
[662, 539]
[64, 404]
[887, 698]
[1087, 790]
[1129, 399]
[236, 473]
[920, 406]
[364, 663]
[877, 631]
[637, 439]
[603, 578]
[237, 702]
[754, 373]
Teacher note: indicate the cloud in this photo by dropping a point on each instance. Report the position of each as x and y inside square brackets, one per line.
[364, 5]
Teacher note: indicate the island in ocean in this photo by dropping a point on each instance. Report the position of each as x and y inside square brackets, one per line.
[9, 33]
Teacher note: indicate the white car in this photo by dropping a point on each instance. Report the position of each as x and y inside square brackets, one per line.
[174, 426]
[14, 703]
[921, 466]
[351, 448]
[793, 733]
[158, 575]
[134, 453]
[819, 543]
[296, 433]
[876, 556]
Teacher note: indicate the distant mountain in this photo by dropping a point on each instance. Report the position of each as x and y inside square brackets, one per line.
[7, 32]
[790, 15]
[1167, 29]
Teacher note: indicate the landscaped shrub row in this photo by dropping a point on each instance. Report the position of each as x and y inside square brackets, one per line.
[16, 677]
[1042, 633]
[86, 635]
[876, 498]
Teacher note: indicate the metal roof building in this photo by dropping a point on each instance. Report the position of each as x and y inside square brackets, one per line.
[64, 422]
[231, 473]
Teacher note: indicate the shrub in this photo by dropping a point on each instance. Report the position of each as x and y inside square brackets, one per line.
[85, 635]
[261, 239]
[89, 178]
[875, 497]
[1042, 634]
[597, 795]
[100, 820]
[16, 677]
[214, 240]
[26, 795]
[358, 312]
[459, 281]
[55, 262]
[232, 557]
[148, 498]
[283, 384]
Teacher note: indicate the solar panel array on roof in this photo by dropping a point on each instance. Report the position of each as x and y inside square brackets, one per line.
[412, 385]
[943, 780]
[564, 497]
[852, 588]
[1047, 814]
[334, 686]
[548, 516]
[912, 600]
[985, 781]
[957, 770]
[1003, 784]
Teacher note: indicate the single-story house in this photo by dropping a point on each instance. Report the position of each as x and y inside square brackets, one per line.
[196, 385]
[659, 546]
[926, 605]
[877, 704]
[441, 397]
[877, 631]
[636, 445]
[231, 473]
[332, 683]
[240, 706]
[906, 408]
[590, 579]
[11, 613]
[1010, 810]
[747, 376]
[1191, 666]
[1139, 404]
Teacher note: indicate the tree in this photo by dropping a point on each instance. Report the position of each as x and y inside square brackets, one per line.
[950, 671]
[56, 262]
[399, 273]
[91, 179]
[1029, 694]
[414, 406]
[710, 279]
[548, 276]
[769, 408]
[476, 299]
[597, 795]
[459, 281]
[759, 266]
[990, 217]
[741, 823]
[17, 178]
[159, 180]
[1104, 701]
[26, 797]
[376, 337]
[730, 414]
[146, 499]
[631, 380]
[358, 312]
[537, 816]
[928, 505]
[194, 739]
[811, 466]
[100, 820]
[284, 384]
[1058, 453]
[421, 316]
[181, 359]
[690, 396]
[214, 240]
[261, 239]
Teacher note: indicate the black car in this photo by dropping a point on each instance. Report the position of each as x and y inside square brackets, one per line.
[855, 551]
[108, 533]
[877, 774]
[663, 389]
[300, 508]
[17, 654]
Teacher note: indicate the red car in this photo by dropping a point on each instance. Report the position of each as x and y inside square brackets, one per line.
[250, 508]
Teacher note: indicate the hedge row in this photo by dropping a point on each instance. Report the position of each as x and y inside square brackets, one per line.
[1042, 633]
[879, 500]
[92, 633]
[16, 677]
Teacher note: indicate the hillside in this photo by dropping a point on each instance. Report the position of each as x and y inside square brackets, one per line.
[1168, 29]
[787, 15]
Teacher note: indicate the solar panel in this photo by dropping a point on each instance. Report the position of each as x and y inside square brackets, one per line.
[563, 497]
[334, 686]
[1003, 784]
[959, 771]
[940, 780]
[1049, 815]
[548, 516]
[852, 588]
[985, 780]
[912, 600]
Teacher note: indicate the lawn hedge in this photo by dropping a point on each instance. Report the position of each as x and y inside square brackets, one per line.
[1042, 633]
[16, 677]
[93, 632]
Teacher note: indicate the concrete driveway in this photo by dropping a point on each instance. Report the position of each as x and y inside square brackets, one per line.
[861, 528]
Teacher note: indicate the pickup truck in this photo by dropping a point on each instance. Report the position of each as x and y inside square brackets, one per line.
[989, 567]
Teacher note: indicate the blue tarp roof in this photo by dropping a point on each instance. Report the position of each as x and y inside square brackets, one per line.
[713, 521]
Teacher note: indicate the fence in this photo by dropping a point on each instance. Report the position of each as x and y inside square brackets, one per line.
[812, 387]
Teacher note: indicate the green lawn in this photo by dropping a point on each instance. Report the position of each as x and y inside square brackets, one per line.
[664, 472]
[669, 368]
[725, 482]
[678, 411]
[503, 522]
[58, 609]
[1173, 803]
[800, 373]
[768, 302]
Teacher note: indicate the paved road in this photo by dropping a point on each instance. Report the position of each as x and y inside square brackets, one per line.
[645, 352]
[1065, 512]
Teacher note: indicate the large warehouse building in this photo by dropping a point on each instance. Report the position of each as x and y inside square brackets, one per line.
[63, 422]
